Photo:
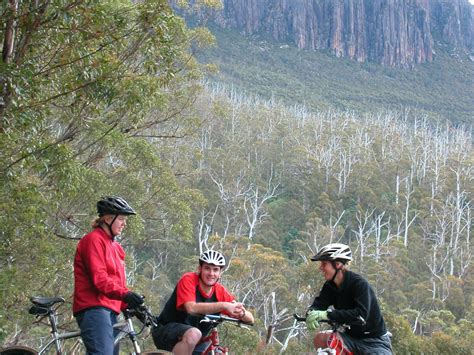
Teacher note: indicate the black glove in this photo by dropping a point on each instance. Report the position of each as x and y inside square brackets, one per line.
[133, 299]
[141, 316]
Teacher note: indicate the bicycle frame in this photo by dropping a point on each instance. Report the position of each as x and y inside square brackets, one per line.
[43, 306]
[56, 340]
[335, 344]
[125, 328]
[214, 347]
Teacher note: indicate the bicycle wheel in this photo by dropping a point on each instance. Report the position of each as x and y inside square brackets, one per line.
[18, 350]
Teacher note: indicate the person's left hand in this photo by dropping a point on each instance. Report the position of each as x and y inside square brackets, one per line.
[236, 309]
[133, 299]
[314, 317]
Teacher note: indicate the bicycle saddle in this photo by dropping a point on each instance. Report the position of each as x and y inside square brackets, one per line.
[46, 301]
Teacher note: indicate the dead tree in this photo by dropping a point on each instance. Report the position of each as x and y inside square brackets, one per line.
[254, 203]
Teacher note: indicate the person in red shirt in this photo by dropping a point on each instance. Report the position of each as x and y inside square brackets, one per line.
[179, 329]
[100, 290]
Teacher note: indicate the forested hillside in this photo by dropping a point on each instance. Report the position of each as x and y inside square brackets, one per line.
[107, 99]
[286, 181]
[323, 53]
[441, 90]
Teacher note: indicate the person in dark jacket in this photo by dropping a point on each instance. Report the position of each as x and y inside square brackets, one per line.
[347, 298]
[100, 291]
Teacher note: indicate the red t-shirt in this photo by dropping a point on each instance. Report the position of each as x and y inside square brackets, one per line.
[188, 289]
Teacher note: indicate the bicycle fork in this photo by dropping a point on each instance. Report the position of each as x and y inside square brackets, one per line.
[132, 336]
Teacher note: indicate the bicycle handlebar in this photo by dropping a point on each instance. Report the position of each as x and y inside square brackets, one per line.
[303, 319]
[143, 314]
[299, 318]
[212, 318]
[332, 323]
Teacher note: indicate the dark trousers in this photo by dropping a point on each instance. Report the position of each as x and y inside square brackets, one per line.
[97, 330]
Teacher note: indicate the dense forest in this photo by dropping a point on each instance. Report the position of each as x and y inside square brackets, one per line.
[107, 98]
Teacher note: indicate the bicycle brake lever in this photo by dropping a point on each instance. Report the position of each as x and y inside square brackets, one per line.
[206, 320]
[243, 325]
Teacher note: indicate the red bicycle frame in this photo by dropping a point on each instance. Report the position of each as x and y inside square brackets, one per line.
[335, 342]
[213, 337]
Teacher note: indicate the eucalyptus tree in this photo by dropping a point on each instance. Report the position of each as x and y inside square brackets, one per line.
[87, 88]
[260, 277]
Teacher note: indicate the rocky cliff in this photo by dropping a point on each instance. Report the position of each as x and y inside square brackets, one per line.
[391, 32]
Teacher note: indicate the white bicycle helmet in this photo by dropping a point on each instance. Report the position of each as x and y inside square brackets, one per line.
[334, 252]
[212, 257]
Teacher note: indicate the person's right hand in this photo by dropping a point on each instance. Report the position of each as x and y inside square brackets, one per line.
[133, 299]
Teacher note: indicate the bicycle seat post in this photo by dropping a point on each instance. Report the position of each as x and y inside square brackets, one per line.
[54, 329]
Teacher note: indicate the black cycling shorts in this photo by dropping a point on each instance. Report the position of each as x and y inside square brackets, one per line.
[166, 336]
[379, 345]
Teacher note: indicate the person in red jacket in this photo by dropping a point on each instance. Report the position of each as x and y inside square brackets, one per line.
[100, 290]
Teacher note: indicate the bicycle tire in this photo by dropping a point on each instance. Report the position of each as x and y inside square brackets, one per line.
[18, 350]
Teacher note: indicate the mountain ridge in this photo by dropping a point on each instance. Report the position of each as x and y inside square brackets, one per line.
[393, 33]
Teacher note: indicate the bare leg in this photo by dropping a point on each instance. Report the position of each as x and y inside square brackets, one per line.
[189, 341]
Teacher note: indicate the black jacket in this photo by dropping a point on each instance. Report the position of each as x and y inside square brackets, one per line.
[354, 299]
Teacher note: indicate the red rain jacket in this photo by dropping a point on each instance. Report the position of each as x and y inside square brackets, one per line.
[99, 273]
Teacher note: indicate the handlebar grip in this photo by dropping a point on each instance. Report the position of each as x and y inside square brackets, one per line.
[303, 319]
[299, 318]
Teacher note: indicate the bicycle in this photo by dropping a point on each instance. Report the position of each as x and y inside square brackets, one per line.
[214, 346]
[335, 344]
[47, 307]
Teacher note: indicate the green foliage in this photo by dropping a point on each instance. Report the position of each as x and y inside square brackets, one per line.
[104, 99]
[297, 347]
[405, 342]
[446, 344]
[85, 88]
[403, 339]
[240, 341]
